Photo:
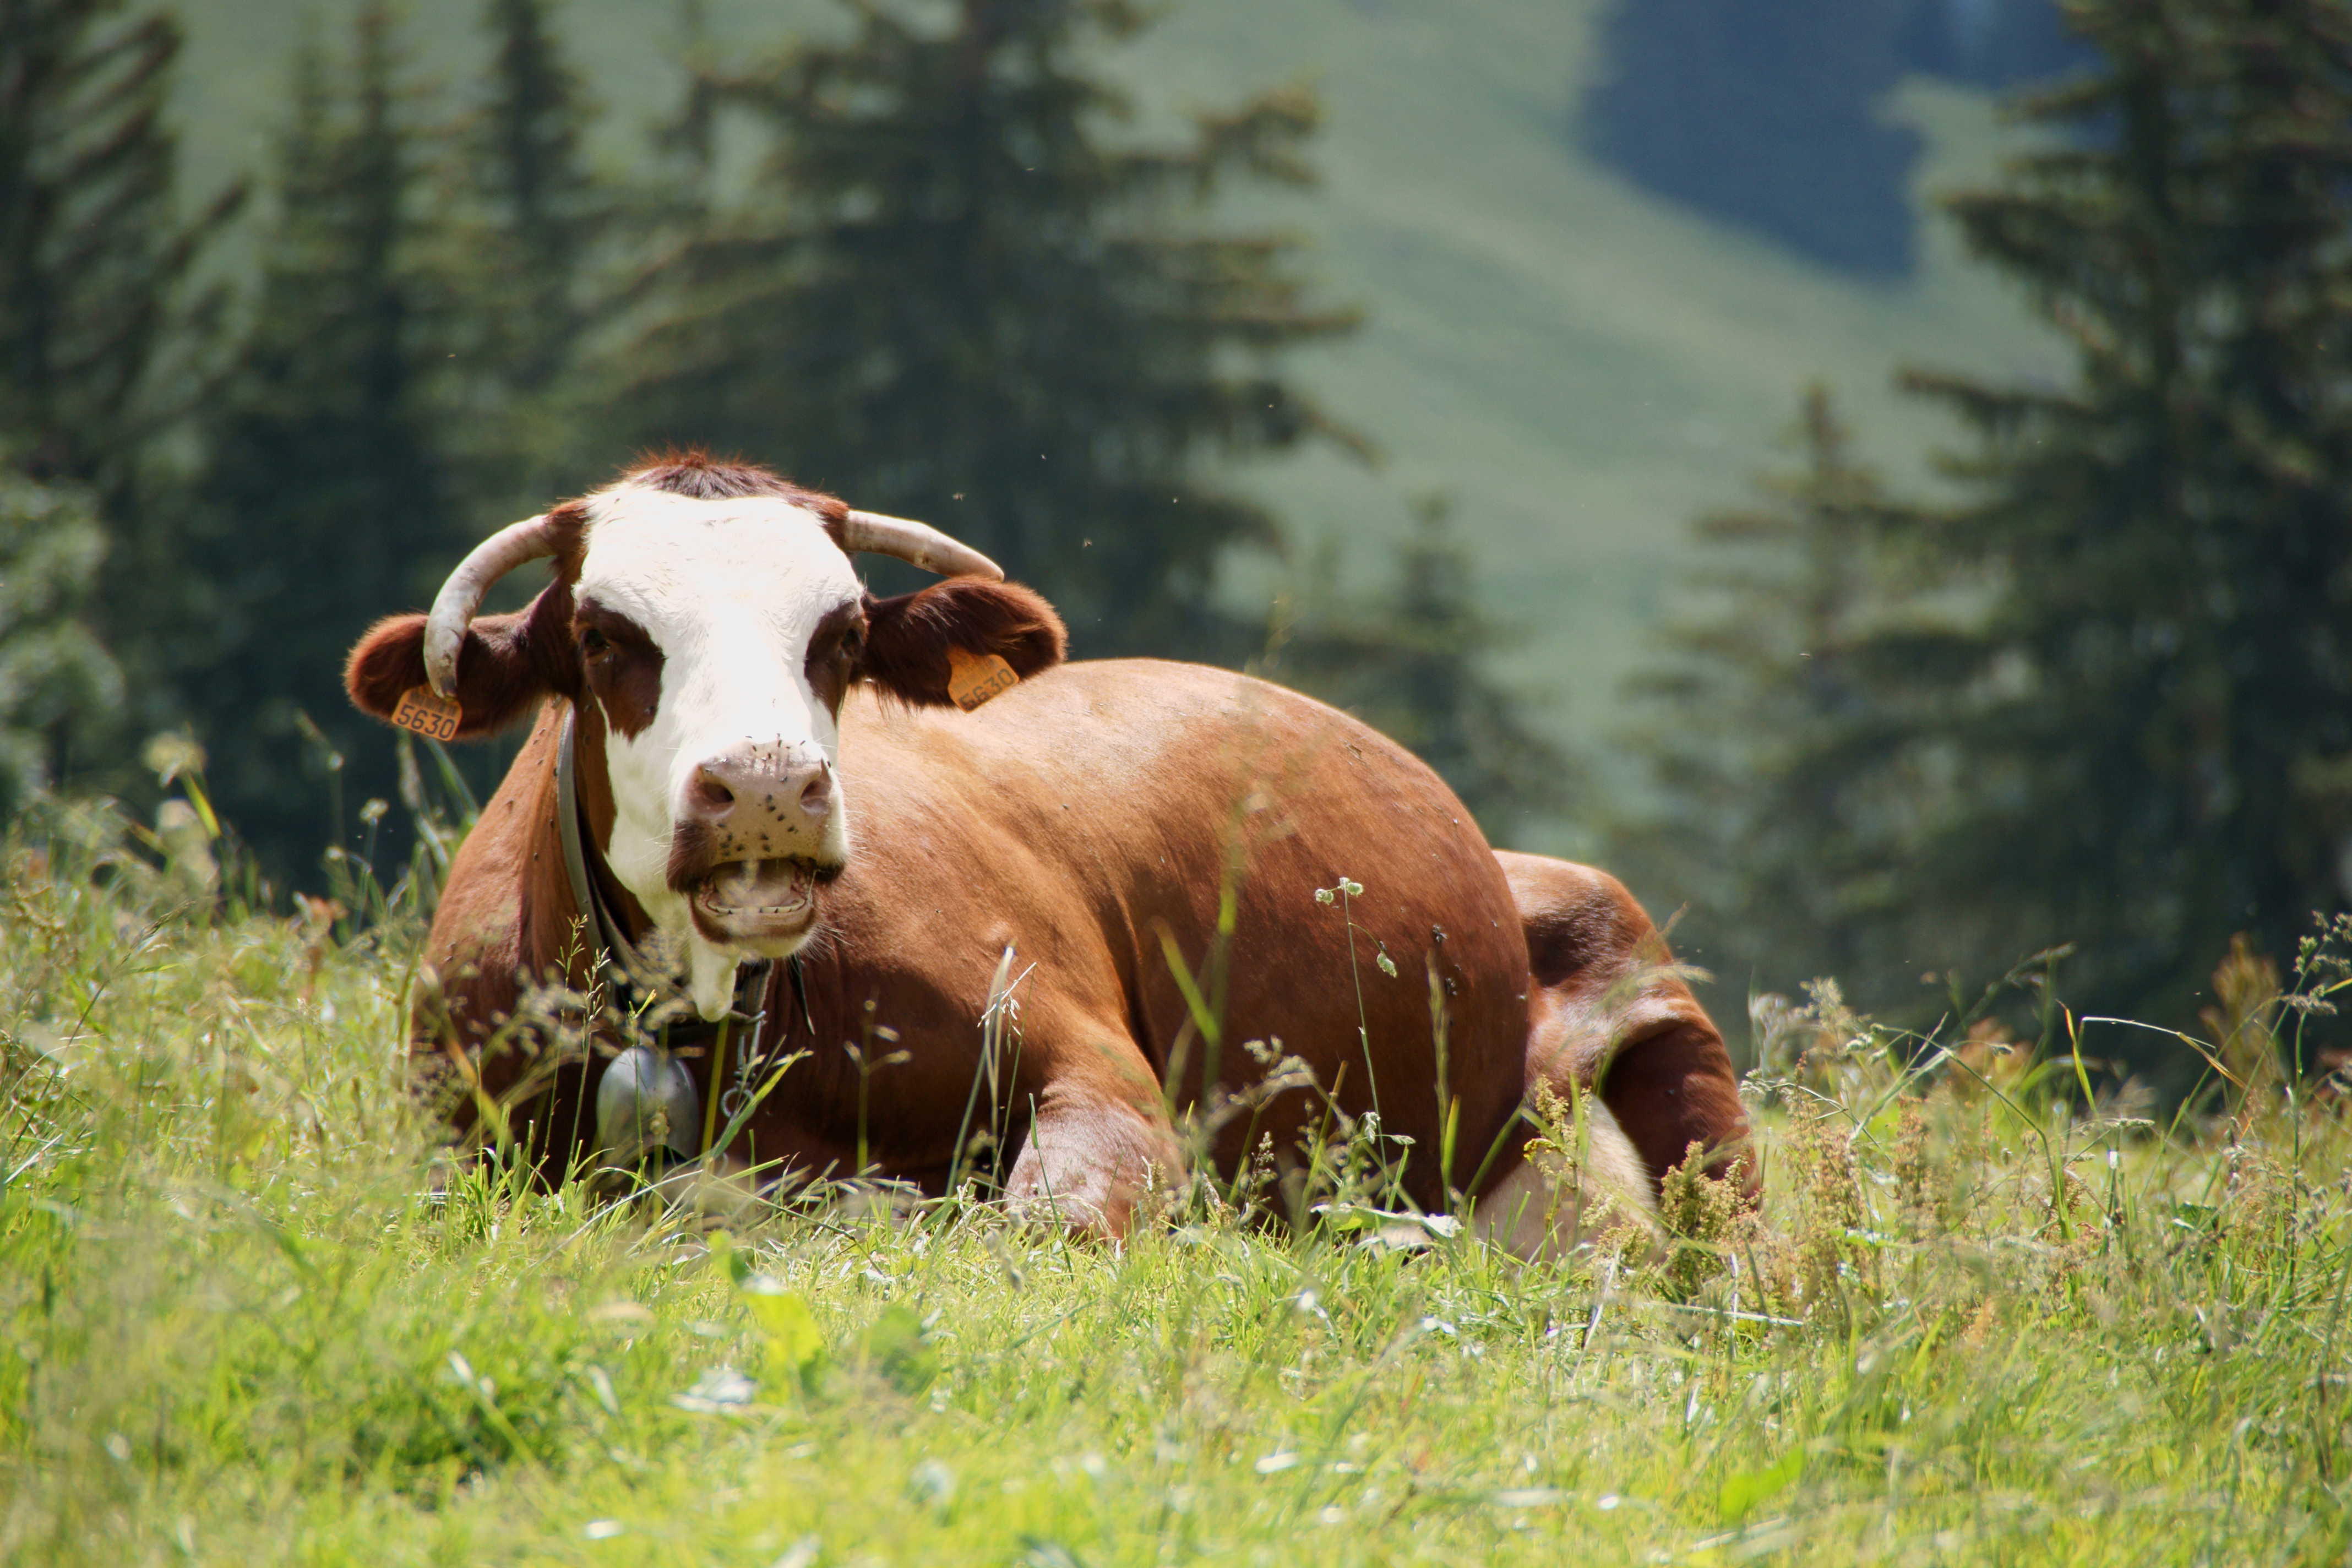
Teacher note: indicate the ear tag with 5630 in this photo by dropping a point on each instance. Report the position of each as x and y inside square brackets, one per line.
[974, 678]
[428, 714]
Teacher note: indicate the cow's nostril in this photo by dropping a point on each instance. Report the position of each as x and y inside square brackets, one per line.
[710, 792]
[818, 795]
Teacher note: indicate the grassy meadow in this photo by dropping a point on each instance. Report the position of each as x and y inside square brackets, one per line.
[239, 1325]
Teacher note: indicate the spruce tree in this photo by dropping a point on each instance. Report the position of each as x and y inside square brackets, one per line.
[1412, 663]
[957, 291]
[103, 329]
[1781, 781]
[526, 261]
[685, 143]
[326, 488]
[54, 674]
[2154, 712]
[94, 260]
[545, 213]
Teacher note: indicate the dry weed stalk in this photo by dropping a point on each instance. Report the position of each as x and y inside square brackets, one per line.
[1584, 1209]
[1701, 1217]
[1831, 1229]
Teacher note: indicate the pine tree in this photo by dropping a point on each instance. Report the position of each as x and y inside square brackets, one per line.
[954, 291]
[2154, 713]
[54, 674]
[102, 331]
[1782, 779]
[327, 485]
[526, 259]
[1412, 664]
[686, 144]
[546, 213]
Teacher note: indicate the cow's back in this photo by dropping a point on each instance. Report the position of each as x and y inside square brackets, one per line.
[1095, 815]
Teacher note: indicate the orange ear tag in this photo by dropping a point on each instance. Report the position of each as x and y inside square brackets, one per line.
[433, 717]
[974, 678]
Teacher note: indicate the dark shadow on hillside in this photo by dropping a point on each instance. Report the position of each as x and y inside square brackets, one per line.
[1765, 114]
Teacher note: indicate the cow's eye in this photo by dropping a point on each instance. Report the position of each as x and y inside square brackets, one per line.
[594, 642]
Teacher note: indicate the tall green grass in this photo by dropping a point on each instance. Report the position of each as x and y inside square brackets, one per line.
[239, 1322]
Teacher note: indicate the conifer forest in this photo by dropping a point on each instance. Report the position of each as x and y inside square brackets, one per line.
[1873, 477]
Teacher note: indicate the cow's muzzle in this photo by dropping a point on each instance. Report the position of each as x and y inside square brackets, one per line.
[758, 832]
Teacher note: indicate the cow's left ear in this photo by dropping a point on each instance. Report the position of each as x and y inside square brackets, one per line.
[506, 665]
[909, 640]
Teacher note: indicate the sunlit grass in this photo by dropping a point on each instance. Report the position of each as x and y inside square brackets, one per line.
[237, 1326]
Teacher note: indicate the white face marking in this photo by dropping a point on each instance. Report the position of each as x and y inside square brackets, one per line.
[731, 592]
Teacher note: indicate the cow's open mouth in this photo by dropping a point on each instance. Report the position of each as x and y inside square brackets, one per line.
[756, 903]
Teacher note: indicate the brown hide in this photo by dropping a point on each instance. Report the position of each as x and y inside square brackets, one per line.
[1075, 819]
[1608, 1007]
[1089, 810]
[506, 915]
[505, 924]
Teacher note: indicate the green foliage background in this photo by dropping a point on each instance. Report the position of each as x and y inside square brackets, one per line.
[2093, 704]
[1580, 365]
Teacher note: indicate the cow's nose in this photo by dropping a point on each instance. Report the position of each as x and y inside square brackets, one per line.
[758, 784]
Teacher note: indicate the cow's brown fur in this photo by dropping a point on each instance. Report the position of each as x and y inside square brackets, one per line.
[692, 472]
[622, 666]
[1075, 819]
[1087, 821]
[1610, 1008]
[1052, 821]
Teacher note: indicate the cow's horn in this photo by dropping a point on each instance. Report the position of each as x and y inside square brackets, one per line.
[920, 542]
[461, 596]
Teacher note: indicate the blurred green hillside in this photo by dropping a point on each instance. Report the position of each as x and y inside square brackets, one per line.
[1581, 365]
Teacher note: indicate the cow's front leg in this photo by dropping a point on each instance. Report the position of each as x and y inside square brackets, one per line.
[1091, 1159]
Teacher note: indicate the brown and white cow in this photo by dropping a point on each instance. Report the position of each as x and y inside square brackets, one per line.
[766, 761]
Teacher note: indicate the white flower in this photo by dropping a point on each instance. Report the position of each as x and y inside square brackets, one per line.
[721, 1388]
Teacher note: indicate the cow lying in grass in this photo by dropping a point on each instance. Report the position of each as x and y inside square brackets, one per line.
[1104, 902]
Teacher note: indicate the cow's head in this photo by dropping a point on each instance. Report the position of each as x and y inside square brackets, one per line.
[706, 622]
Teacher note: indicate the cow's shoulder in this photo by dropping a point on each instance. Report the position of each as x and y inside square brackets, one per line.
[506, 891]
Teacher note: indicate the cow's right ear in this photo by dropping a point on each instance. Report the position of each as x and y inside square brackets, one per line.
[911, 641]
[499, 679]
